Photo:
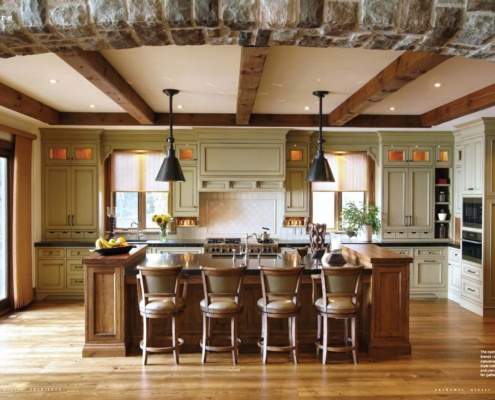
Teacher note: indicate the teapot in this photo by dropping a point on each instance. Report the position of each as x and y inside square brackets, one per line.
[265, 236]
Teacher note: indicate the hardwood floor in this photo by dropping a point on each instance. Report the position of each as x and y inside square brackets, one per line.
[40, 357]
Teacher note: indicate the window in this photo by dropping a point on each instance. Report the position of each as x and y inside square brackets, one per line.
[134, 191]
[351, 184]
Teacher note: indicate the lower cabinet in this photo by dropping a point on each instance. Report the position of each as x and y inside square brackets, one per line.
[428, 272]
[60, 272]
[472, 287]
[454, 285]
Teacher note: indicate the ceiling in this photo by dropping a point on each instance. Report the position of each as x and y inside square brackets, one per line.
[247, 86]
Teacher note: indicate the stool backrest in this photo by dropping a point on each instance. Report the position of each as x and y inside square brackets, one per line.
[159, 282]
[317, 235]
[280, 282]
[341, 282]
[222, 282]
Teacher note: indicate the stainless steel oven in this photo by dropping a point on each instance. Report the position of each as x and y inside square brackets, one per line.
[472, 212]
[471, 246]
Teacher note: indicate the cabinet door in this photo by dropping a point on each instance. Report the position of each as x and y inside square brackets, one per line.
[187, 153]
[420, 197]
[57, 197]
[51, 274]
[458, 192]
[443, 156]
[84, 200]
[420, 156]
[394, 197]
[429, 274]
[296, 195]
[186, 194]
[472, 166]
[75, 153]
[455, 277]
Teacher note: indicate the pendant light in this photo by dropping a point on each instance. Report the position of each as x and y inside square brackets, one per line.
[170, 171]
[320, 169]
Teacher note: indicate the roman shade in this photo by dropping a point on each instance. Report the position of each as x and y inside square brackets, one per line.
[136, 171]
[350, 171]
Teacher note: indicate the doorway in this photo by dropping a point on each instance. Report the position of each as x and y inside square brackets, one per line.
[5, 270]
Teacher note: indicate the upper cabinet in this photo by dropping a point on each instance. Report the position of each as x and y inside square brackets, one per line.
[407, 155]
[472, 166]
[66, 153]
[187, 153]
[443, 156]
[186, 194]
[70, 184]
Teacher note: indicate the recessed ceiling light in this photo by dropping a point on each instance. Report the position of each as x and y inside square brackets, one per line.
[53, 81]
[392, 108]
[318, 79]
[306, 108]
[437, 84]
[92, 106]
[180, 107]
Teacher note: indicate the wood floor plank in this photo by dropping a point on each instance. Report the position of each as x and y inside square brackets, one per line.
[40, 357]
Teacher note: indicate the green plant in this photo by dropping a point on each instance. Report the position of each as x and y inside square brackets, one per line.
[354, 217]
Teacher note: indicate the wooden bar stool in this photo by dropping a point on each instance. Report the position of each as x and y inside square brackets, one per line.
[158, 297]
[341, 292]
[223, 299]
[280, 289]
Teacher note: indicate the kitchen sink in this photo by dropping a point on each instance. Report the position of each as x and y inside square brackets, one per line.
[239, 256]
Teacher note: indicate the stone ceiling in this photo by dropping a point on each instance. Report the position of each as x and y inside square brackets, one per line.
[447, 27]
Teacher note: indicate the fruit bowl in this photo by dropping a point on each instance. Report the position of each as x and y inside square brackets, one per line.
[114, 250]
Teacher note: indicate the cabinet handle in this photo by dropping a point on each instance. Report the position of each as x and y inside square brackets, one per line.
[429, 260]
[471, 290]
[72, 219]
[79, 281]
[78, 266]
[68, 220]
[471, 272]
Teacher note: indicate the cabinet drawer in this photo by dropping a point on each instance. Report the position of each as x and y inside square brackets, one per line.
[77, 235]
[455, 254]
[427, 235]
[414, 235]
[51, 234]
[64, 235]
[400, 250]
[425, 252]
[52, 252]
[75, 268]
[91, 235]
[389, 235]
[472, 272]
[75, 282]
[472, 290]
[77, 252]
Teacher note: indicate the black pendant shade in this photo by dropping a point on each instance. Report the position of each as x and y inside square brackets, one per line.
[170, 171]
[320, 169]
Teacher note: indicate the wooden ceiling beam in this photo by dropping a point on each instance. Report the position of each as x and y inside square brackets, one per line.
[476, 101]
[405, 69]
[251, 68]
[26, 105]
[256, 120]
[97, 70]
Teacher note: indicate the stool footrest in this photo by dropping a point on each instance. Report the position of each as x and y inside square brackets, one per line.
[163, 349]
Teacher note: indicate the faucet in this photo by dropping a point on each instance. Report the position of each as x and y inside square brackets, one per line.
[139, 233]
[246, 248]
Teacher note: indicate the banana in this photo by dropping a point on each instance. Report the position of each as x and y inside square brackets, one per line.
[99, 244]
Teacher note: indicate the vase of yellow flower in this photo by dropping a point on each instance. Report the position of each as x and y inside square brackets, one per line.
[162, 221]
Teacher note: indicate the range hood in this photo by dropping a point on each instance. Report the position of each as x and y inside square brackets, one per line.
[249, 160]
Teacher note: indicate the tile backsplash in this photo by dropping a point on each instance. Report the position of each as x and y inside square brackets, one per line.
[223, 214]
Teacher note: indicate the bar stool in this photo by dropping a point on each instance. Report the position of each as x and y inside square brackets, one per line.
[280, 290]
[317, 236]
[341, 292]
[223, 291]
[158, 298]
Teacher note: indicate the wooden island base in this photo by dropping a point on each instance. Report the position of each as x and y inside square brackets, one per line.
[114, 326]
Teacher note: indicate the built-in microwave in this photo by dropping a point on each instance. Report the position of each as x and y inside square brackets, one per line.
[472, 212]
[472, 246]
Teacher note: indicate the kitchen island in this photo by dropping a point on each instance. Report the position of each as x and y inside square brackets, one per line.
[114, 326]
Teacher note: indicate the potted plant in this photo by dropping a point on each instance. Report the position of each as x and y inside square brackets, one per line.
[362, 220]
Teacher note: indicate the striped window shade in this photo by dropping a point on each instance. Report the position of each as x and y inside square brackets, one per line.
[136, 171]
[350, 171]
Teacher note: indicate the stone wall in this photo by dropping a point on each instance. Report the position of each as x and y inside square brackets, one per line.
[450, 27]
